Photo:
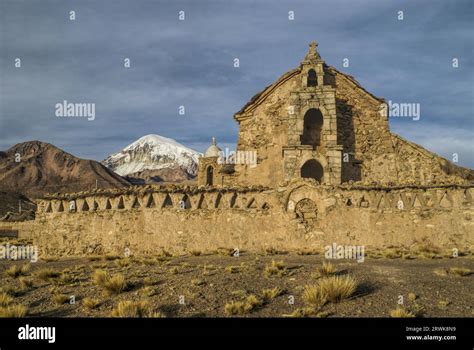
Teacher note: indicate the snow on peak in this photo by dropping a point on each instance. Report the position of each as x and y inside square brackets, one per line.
[152, 152]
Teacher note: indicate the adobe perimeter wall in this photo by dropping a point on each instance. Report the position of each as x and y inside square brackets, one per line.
[302, 215]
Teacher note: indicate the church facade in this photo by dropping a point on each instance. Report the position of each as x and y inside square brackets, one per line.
[316, 122]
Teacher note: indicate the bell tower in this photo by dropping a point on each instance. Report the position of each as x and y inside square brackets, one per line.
[312, 150]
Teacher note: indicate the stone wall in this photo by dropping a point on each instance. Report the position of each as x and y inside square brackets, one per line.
[300, 216]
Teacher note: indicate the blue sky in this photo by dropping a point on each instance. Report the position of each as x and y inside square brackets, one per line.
[190, 63]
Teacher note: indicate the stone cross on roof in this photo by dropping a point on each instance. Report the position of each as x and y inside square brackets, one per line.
[313, 52]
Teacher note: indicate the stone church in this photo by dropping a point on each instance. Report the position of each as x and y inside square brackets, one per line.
[316, 122]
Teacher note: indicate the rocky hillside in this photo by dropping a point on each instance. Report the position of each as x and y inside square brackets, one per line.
[35, 168]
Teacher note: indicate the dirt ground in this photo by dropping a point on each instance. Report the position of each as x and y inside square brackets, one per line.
[197, 286]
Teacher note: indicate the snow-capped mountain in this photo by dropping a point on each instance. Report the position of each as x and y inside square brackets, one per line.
[152, 156]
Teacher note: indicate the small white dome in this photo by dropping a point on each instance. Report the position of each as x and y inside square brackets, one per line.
[213, 150]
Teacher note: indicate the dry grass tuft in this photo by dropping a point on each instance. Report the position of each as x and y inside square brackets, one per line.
[197, 282]
[315, 296]
[401, 312]
[460, 271]
[13, 311]
[225, 251]
[47, 274]
[16, 270]
[90, 303]
[130, 308]
[123, 262]
[174, 270]
[275, 251]
[277, 268]
[441, 272]
[111, 284]
[148, 281]
[391, 253]
[5, 299]
[233, 269]
[327, 269]
[269, 294]
[61, 299]
[99, 277]
[307, 312]
[338, 288]
[307, 252]
[10, 290]
[242, 307]
[443, 304]
[457, 271]
[148, 291]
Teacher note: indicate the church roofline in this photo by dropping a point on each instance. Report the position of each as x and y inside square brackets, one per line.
[259, 97]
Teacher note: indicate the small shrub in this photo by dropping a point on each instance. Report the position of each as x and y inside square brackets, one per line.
[412, 296]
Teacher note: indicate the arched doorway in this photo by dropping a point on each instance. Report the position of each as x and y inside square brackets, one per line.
[312, 78]
[313, 123]
[209, 175]
[312, 169]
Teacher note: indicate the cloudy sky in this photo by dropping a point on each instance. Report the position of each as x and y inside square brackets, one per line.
[190, 63]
